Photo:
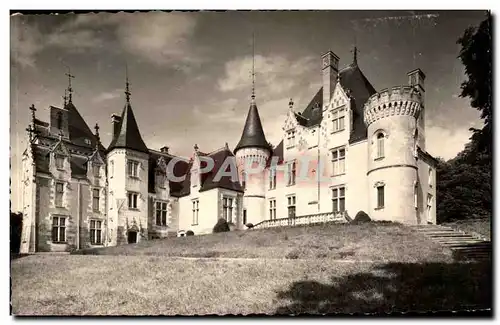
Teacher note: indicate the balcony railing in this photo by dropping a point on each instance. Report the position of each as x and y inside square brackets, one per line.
[304, 220]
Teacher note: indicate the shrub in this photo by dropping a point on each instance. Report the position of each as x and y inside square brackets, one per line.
[361, 217]
[293, 255]
[249, 225]
[221, 226]
[189, 233]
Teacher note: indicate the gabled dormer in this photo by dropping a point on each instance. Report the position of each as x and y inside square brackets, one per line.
[96, 167]
[161, 182]
[195, 174]
[60, 158]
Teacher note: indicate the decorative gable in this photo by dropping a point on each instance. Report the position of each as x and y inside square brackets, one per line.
[161, 165]
[96, 158]
[60, 149]
[290, 121]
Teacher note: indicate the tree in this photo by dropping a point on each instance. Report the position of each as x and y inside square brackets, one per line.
[476, 56]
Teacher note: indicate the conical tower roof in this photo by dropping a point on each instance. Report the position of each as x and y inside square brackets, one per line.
[253, 133]
[128, 136]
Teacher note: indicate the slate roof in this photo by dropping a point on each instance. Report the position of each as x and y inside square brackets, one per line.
[253, 133]
[354, 82]
[359, 89]
[128, 136]
[78, 163]
[180, 168]
[277, 152]
[207, 179]
[78, 129]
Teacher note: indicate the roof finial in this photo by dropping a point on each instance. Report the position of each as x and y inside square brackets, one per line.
[96, 127]
[70, 90]
[127, 84]
[290, 104]
[65, 97]
[196, 147]
[33, 110]
[253, 68]
[355, 56]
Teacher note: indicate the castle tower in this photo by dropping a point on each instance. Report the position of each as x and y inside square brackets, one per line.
[391, 117]
[127, 161]
[252, 153]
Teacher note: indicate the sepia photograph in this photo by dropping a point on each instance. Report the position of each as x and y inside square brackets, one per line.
[321, 162]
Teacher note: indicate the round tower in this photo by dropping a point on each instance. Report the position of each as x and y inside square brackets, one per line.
[391, 117]
[252, 153]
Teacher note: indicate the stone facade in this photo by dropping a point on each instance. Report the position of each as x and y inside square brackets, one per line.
[351, 149]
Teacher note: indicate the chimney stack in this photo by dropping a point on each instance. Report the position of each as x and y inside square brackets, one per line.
[416, 79]
[164, 149]
[330, 73]
[115, 120]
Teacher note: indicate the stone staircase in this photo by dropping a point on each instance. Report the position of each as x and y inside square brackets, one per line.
[464, 246]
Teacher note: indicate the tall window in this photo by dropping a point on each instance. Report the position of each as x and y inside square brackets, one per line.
[227, 209]
[380, 145]
[429, 207]
[244, 216]
[132, 200]
[338, 161]
[196, 209]
[59, 194]
[430, 176]
[290, 138]
[96, 169]
[338, 199]
[272, 209]
[161, 213]
[415, 195]
[95, 232]
[59, 162]
[291, 206]
[243, 179]
[292, 172]
[133, 168]
[380, 196]
[272, 178]
[58, 229]
[95, 199]
[338, 119]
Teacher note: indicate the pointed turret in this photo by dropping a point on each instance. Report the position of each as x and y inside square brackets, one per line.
[128, 135]
[253, 133]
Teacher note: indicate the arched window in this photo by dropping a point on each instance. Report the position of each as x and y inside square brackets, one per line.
[380, 145]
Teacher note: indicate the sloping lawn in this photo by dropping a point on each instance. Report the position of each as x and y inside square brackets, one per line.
[371, 241]
[151, 285]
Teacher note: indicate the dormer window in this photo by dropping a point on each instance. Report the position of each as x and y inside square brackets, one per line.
[290, 138]
[59, 162]
[96, 169]
[338, 119]
[87, 142]
[160, 180]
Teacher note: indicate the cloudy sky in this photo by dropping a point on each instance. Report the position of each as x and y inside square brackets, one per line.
[190, 73]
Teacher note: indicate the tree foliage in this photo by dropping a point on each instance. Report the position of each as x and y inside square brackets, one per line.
[464, 183]
[476, 56]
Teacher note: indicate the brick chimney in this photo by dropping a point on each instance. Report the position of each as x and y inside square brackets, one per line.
[164, 149]
[330, 72]
[115, 120]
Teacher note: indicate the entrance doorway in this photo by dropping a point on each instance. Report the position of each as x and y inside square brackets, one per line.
[132, 237]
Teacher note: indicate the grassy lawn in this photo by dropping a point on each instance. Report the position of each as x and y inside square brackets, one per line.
[481, 227]
[381, 242]
[155, 285]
